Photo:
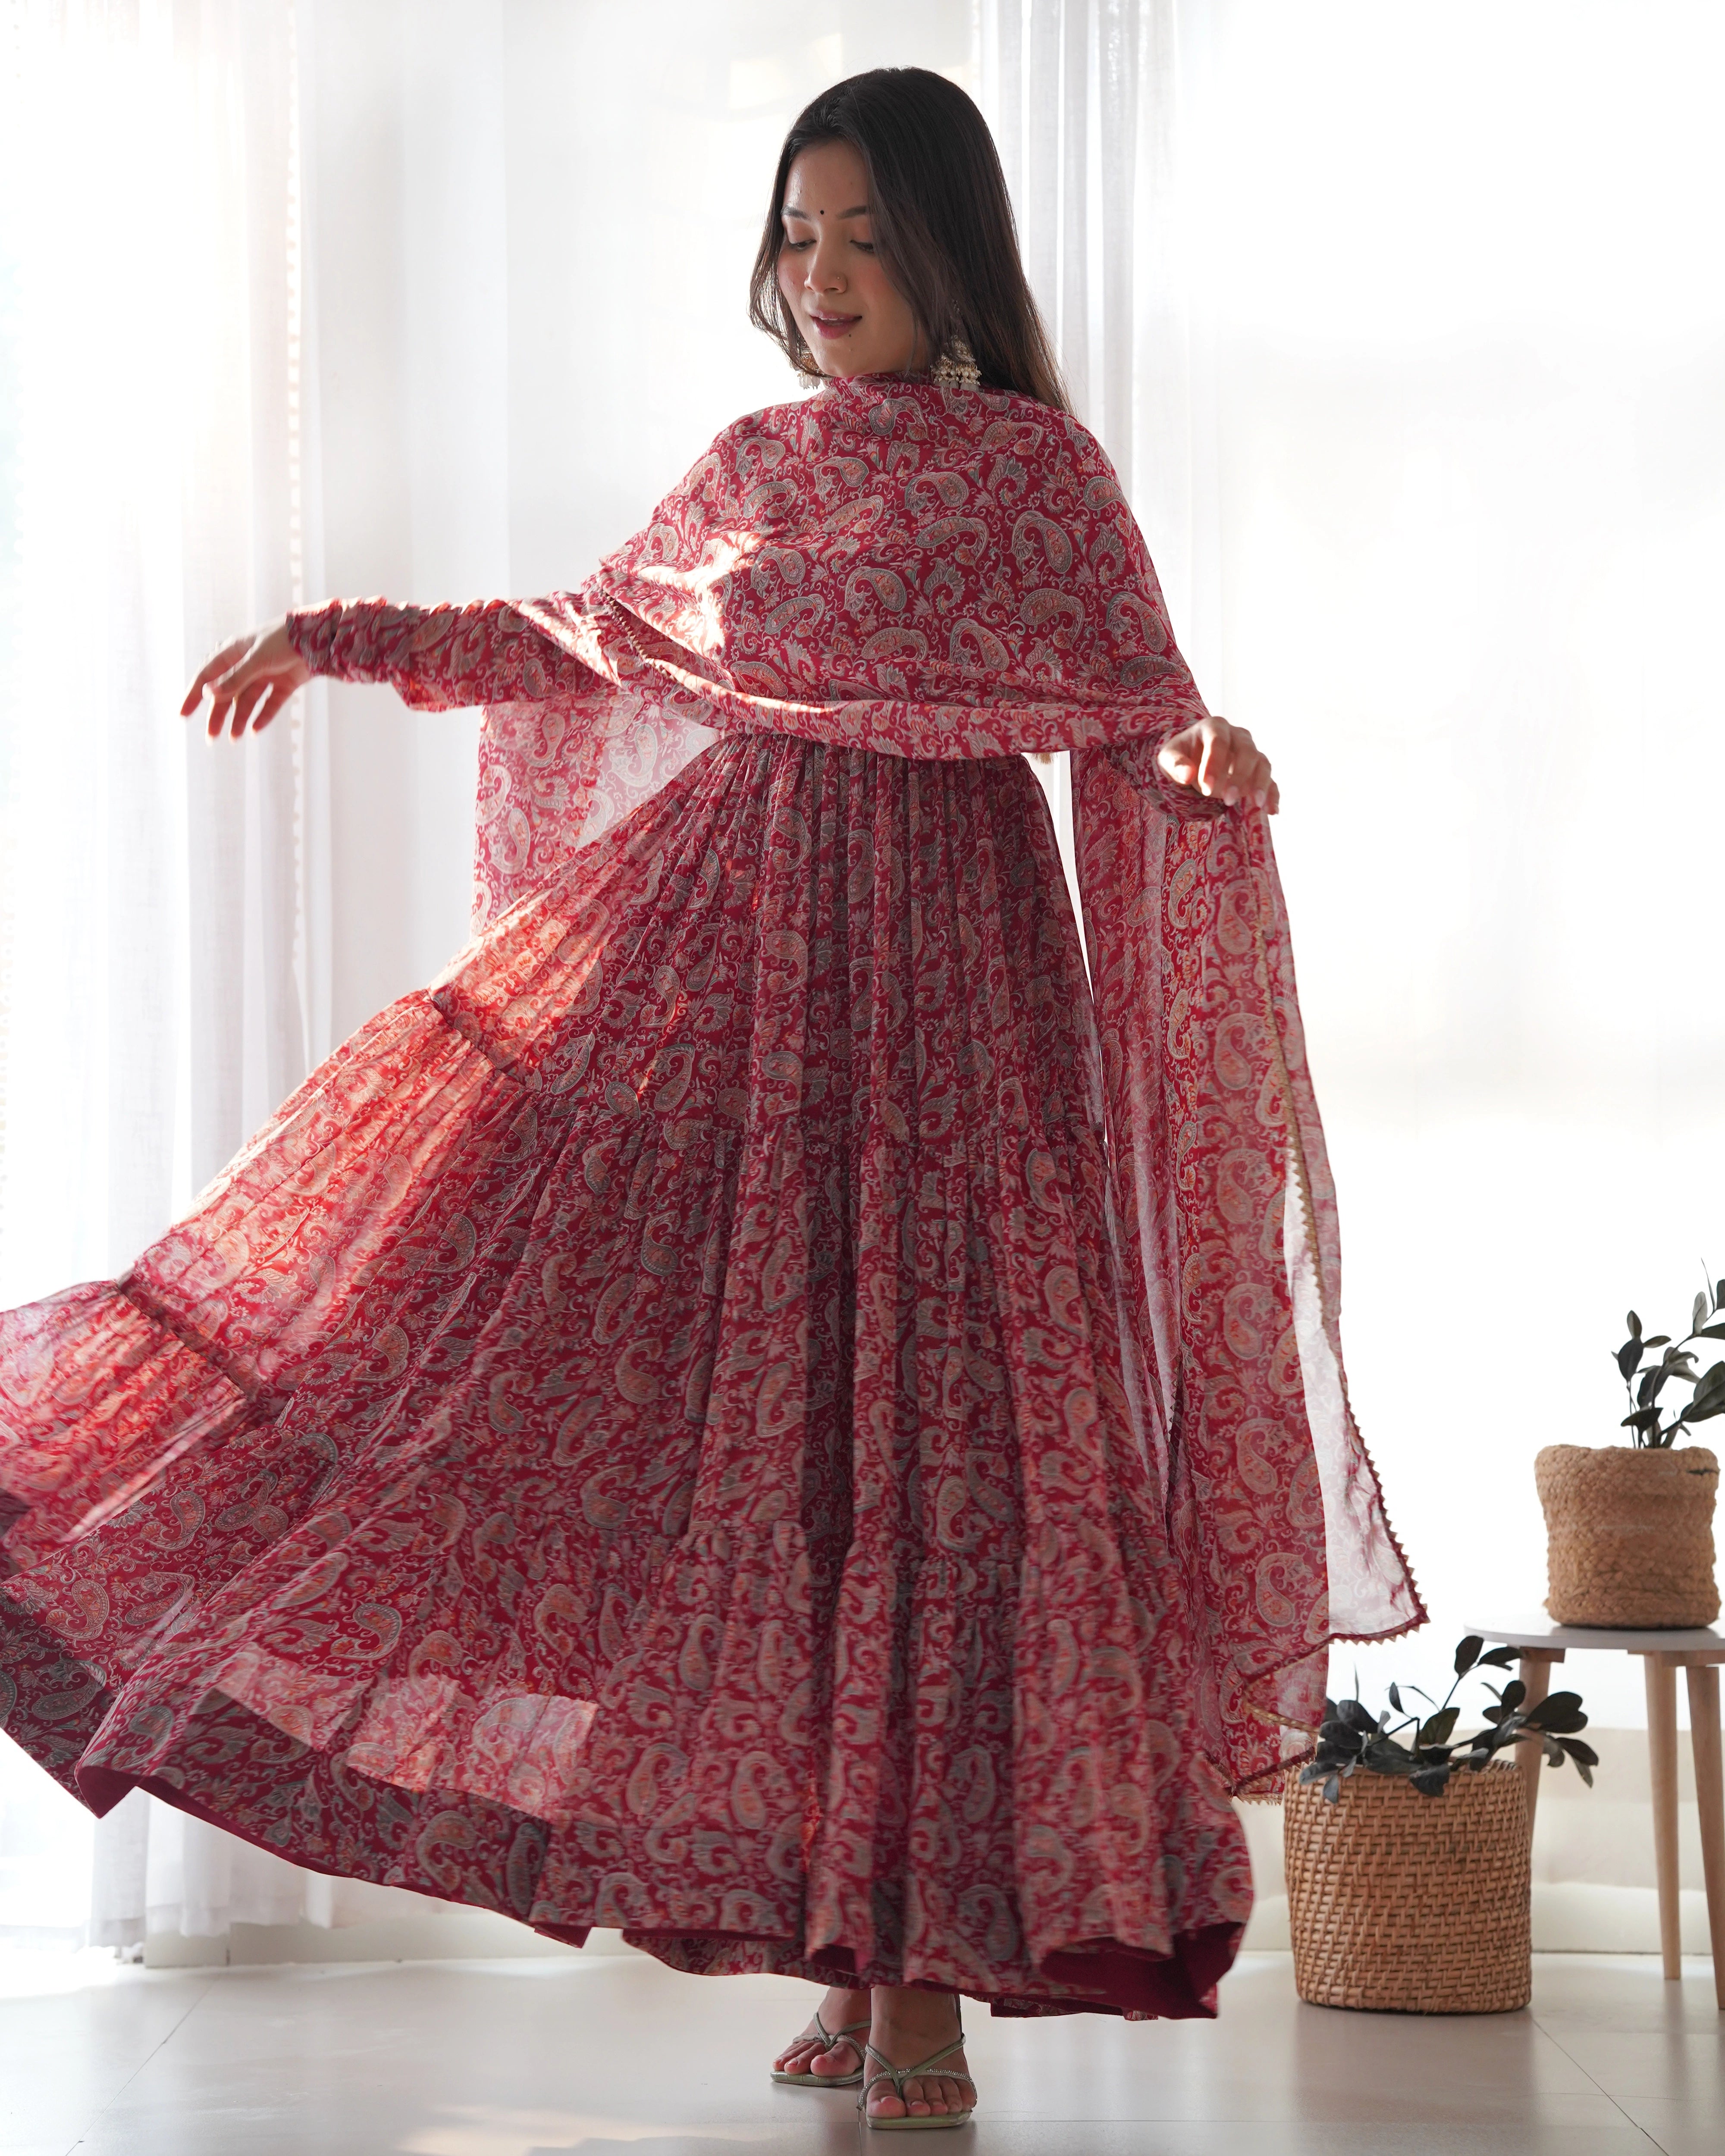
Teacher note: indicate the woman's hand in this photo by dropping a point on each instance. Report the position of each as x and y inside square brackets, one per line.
[249, 682]
[1223, 762]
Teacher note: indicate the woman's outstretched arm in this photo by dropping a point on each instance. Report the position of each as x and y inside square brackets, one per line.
[434, 657]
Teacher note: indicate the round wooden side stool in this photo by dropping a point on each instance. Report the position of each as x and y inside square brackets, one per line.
[1541, 1644]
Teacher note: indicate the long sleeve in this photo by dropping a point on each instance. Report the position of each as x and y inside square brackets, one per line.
[438, 658]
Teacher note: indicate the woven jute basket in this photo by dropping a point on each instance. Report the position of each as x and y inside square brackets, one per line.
[1630, 1534]
[1405, 1904]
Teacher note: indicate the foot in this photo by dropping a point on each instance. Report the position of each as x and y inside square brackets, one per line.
[907, 2025]
[809, 2054]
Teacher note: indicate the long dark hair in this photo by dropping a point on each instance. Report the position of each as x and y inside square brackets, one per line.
[942, 222]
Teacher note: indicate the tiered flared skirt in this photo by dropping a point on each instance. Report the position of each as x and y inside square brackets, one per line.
[641, 1439]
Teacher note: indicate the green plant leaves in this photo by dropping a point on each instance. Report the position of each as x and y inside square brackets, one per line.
[1557, 1713]
[1709, 1396]
[1350, 1737]
[1508, 1700]
[1678, 1361]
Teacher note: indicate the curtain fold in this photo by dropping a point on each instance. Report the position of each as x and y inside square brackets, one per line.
[163, 928]
[1085, 101]
[157, 904]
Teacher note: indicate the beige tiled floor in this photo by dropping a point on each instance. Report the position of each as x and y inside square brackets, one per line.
[598, 2055]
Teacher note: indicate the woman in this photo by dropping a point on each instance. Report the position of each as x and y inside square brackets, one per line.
[754, 1411]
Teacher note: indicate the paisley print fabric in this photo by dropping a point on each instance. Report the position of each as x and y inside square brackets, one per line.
[758, 1410]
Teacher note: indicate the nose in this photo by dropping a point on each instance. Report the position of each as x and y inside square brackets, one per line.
[821, 275]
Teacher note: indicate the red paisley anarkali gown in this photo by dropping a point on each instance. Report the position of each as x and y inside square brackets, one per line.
[762, 1408]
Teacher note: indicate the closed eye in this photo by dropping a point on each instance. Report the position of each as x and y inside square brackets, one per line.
[789, 246]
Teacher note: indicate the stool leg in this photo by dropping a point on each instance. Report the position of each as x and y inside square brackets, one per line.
[1536, 1675]
[1703, 1679]
[1662, 1755]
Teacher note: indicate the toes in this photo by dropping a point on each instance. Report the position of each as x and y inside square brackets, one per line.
[924, 2096]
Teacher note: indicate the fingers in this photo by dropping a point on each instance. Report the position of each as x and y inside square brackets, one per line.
[222, 663]
[1249, 780]
[194, 696]
[247, 681]
[1214, 759]
[1234, 769]
[1179, 756]
[230, 696]
[247, 696]
[275, 694]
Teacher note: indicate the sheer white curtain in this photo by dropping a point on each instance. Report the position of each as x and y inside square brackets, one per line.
[299, 298]
[1401, 325]
[163, 940]
[159, 965]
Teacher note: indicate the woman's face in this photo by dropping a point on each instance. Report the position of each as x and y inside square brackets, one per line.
[851, 317]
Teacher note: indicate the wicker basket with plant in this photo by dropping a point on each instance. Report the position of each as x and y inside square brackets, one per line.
[1409, 1888]
[1630, 1528]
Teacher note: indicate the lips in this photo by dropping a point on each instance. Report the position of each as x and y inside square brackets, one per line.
[832, 325]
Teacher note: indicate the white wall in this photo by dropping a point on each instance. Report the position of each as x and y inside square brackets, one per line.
[1457, 265]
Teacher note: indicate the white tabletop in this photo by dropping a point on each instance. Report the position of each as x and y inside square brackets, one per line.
[1541, 1632]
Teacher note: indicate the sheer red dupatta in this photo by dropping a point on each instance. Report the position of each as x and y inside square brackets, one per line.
[917, 571]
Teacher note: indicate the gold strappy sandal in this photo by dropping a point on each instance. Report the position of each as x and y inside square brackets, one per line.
[898, 2076]
[826, 2043]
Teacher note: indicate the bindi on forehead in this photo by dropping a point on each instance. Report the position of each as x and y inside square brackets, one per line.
[809, 216]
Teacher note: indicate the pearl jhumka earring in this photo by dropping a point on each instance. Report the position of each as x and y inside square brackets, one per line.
[957, 368]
